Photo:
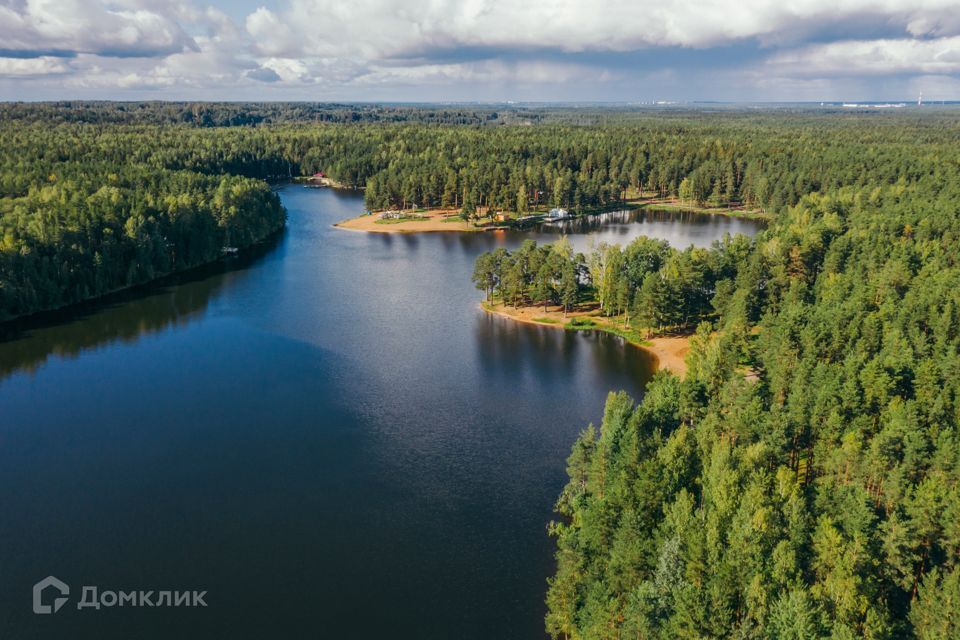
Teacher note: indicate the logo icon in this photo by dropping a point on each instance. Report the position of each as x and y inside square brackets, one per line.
[40, 587]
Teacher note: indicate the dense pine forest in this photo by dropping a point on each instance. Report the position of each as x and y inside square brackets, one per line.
[89, 209]
[803, 479]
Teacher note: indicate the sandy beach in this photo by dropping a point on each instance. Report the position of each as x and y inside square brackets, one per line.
[669, 350]
[432, 221]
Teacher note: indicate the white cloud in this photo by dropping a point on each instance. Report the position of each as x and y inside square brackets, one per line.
[872, 57]
[272, 36]
[42, 66]
[388, 28]
[288, 69]
[124, 27]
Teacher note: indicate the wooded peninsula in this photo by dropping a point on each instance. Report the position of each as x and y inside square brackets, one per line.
[802, 480]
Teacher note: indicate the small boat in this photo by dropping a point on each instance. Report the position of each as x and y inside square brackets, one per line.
[229, 251]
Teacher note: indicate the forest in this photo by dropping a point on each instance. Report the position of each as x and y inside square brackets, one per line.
[233, 114]
[100, 196]
[85, 212]
[818, 498]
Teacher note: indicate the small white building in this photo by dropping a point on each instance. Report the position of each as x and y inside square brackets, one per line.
[558, 214]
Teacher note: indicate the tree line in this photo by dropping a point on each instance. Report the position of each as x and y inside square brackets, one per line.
[250, 114]
[761, 161]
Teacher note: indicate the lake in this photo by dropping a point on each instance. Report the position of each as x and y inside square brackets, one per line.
[329, 437]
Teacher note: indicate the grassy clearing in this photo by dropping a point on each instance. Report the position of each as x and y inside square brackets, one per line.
[629, 334]
[581, 323]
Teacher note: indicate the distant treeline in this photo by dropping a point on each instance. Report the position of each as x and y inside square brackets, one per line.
[764, 162]
[245, 114]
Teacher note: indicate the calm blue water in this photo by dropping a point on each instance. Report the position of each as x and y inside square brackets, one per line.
[331, 439]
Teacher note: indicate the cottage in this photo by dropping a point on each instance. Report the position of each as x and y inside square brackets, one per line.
[558, 214]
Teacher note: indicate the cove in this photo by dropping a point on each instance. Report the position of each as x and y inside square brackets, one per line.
[330, 438]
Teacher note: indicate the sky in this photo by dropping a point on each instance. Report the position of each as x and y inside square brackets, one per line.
[480, 50]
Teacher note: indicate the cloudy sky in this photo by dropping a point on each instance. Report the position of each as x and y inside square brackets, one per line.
[480, 50]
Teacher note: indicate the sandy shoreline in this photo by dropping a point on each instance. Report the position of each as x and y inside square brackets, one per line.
[433, 221]
[670, 351]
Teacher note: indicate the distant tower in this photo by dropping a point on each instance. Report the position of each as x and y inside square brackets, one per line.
[920, 100]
